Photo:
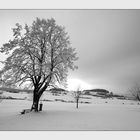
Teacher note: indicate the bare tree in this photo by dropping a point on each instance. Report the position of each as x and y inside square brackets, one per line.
[39, 55]
[1, 96]
[135, 92]
[77, 94]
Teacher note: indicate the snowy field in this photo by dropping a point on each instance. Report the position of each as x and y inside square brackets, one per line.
[100, 114]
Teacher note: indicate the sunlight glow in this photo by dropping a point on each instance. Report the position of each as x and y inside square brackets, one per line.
[73, 84]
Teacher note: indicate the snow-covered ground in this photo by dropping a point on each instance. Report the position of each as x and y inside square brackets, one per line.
[99, 114]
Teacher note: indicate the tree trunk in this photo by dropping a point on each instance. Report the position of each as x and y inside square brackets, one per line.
[138, 98]
[76, 103]
[36, 98]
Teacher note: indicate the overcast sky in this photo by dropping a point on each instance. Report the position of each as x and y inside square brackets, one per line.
[107, 43]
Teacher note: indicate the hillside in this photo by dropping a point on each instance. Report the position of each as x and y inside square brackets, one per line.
[14, 90]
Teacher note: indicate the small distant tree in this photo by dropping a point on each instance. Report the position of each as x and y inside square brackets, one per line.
[39, 55]
[1, 92]
[77, 94]
[135, 92]
[110, 95]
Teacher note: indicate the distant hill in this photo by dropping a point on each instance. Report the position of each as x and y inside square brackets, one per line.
[97, 90]
[13, 90]
[57, 89]
[103, 93]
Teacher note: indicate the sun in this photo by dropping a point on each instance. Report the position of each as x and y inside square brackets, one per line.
[73, 84]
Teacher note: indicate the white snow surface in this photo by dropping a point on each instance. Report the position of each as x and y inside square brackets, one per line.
[100, 114]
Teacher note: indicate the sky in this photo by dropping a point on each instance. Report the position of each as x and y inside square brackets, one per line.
[107, 44]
